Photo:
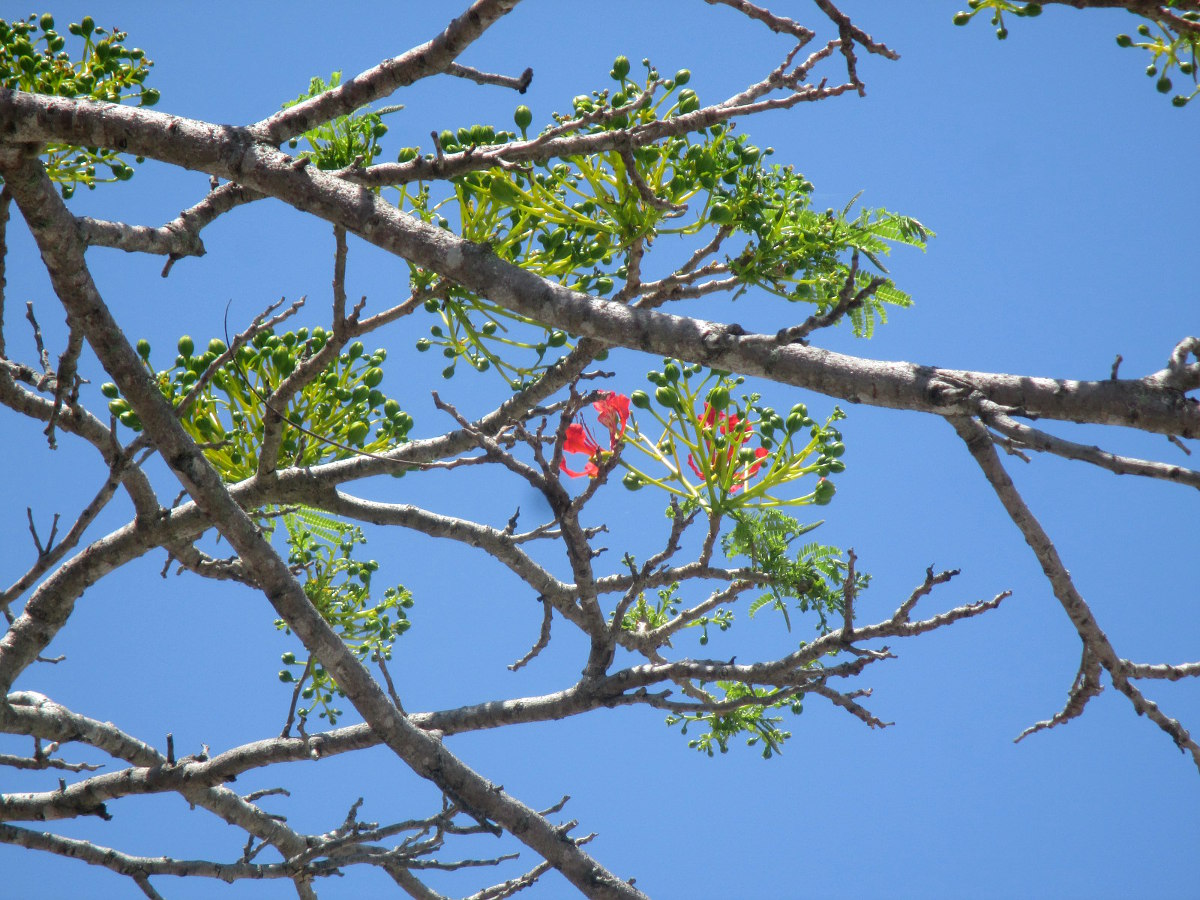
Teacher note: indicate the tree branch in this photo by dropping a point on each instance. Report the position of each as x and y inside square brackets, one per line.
[975, 436]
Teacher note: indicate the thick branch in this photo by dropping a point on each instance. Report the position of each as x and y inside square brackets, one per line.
[231, 153]
[169, 240]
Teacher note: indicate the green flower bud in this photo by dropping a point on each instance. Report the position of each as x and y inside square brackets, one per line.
[355, 350]
[718, 397]
[284, 361]
[721, 214]
[640, 399]
[824, 492]
[357, 433]
[109, 390]
[620, 68]
[143, 348]
[633, 482]
[186, 346]
[503, 191]
[372, 377]
[523, 117]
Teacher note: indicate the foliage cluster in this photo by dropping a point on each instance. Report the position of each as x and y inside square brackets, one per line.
[224, 401]
[584, 220]
[346, 140]
[33, 58]
[706, 432]
[334, 415]
[339, 587]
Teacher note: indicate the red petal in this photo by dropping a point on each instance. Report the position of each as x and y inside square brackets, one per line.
[589, 470]
[578, 440]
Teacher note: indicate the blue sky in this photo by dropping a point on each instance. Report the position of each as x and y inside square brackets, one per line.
[1060, 186]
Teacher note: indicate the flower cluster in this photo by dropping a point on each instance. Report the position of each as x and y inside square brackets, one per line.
[612, 411]
[724, 437]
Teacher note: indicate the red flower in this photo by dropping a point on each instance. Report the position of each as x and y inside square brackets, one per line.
[580, 440]
[736, 432]
[612, 411]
